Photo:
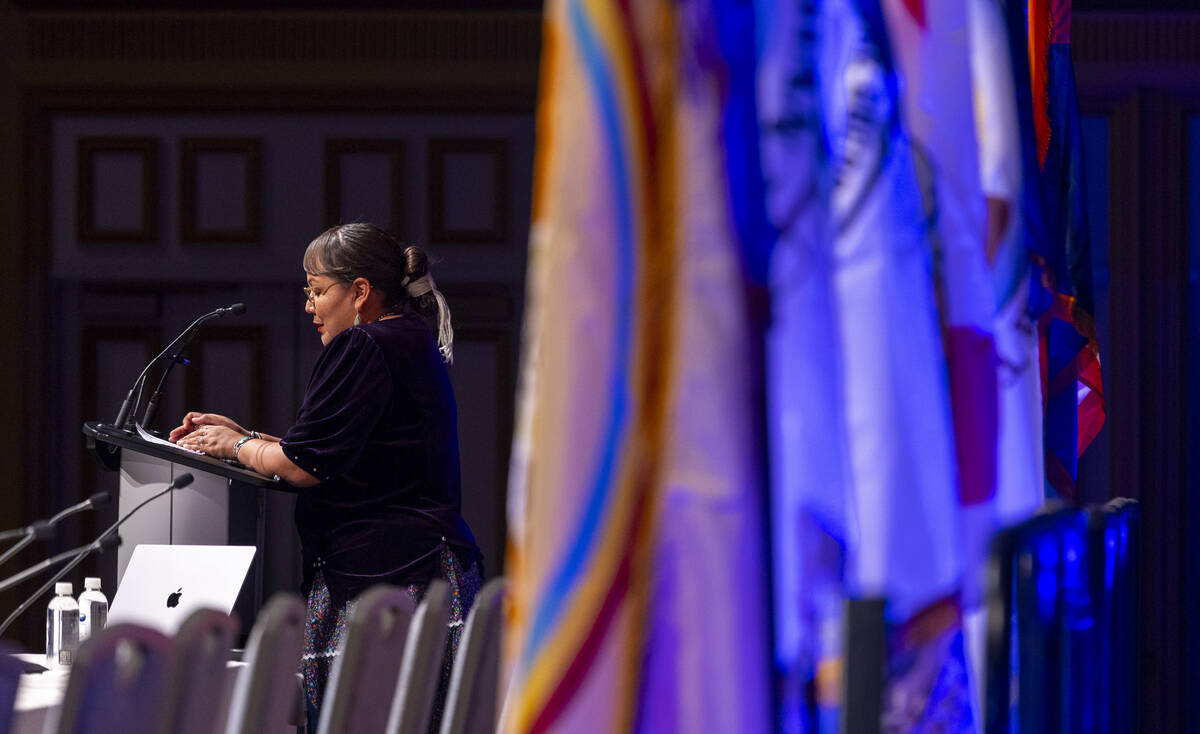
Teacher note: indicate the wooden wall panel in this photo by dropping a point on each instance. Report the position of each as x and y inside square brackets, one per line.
[112, 355]
[172, 76]
[364, 182]
[1140, 72]
[220, 190]
[117, 202]
[228, 373]
[469, 195]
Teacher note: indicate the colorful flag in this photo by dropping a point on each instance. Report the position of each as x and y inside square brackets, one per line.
[866, 483]
[920, 411]
[932, 42]
[1002, 167]
[1062, 294]
[806, 426]
[635, 494]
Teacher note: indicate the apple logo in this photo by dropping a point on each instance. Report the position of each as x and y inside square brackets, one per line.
[173, 598]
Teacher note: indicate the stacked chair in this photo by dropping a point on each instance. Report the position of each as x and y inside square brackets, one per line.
[136, 680]
[1061, 608]
[268, 693]
[385, 681]
[364, 676]
[474, 683]
[422, 664]
[197, 679]
[119, 682]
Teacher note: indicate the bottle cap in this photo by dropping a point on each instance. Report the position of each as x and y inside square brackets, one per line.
[62, 587]
[91, 582]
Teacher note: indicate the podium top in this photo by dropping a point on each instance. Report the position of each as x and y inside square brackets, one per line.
[106, 442]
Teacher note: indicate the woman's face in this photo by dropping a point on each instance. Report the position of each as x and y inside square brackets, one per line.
[331, 302]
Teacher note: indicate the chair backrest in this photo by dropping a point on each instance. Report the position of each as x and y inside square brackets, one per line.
[10, 677]
[422, 664]
[363, 679]
[471, 700]
[1028, 640]
[1113, 548]
[118, 682]
[266, 692]
[197, 683]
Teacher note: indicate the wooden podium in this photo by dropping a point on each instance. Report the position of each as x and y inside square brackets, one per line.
[224, 505]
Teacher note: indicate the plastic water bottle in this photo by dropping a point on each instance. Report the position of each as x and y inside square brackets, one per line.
[93, 608]
[62, 627]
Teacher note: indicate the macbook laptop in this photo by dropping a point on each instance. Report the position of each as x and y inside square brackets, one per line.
[163, 584]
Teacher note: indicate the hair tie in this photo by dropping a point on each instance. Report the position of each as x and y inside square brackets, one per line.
[445, 332]
[421, 286]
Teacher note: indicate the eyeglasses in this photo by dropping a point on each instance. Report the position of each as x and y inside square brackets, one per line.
[311, 294]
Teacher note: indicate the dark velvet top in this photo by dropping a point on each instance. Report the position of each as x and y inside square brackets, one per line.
[378, 428]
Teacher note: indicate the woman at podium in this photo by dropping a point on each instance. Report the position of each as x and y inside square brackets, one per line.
[374, 448]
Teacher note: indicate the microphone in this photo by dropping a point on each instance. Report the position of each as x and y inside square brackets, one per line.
[44, 529]
[102, 542]
[123, 414]
[236, 309]
[39, 529]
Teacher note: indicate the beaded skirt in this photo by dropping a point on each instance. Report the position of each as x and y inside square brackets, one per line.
[327, 621]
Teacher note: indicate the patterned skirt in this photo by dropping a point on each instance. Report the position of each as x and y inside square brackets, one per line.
[327, 621]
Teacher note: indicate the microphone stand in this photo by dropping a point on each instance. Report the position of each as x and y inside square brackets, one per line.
[41, 530]
[188, 333]
[102, 544]
[152, 405]
[180, 481]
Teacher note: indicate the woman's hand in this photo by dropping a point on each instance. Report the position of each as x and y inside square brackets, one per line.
[194, 420]
[214, 440]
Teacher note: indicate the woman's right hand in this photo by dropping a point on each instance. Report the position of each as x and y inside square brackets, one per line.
[194, 420]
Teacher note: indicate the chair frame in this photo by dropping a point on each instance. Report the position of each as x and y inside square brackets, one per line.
[421, 668]
[372, 649]
[108, 647]
[267, 689]
[474, 682]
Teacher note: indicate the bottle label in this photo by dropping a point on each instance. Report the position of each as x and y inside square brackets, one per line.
[93, 616]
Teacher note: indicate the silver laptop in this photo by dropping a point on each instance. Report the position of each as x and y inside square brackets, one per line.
[163, 584]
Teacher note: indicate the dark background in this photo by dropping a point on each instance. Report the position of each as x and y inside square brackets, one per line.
[299, 75]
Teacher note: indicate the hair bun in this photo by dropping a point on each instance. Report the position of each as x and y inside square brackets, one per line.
[416, 263]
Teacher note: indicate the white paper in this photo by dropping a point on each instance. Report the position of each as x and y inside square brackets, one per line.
[151, 438]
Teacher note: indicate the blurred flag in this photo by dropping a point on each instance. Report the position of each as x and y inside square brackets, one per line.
[932, 42]
[1062, 295]
[932, 52]
[866, 485]
[935, 514]
[1002, 166]
[1005, 153]
[636, 547]
[806, 425]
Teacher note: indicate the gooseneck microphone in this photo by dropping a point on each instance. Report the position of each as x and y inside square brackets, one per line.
[104, 541]
[175, 348]
[44, 529]
[40, 530]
